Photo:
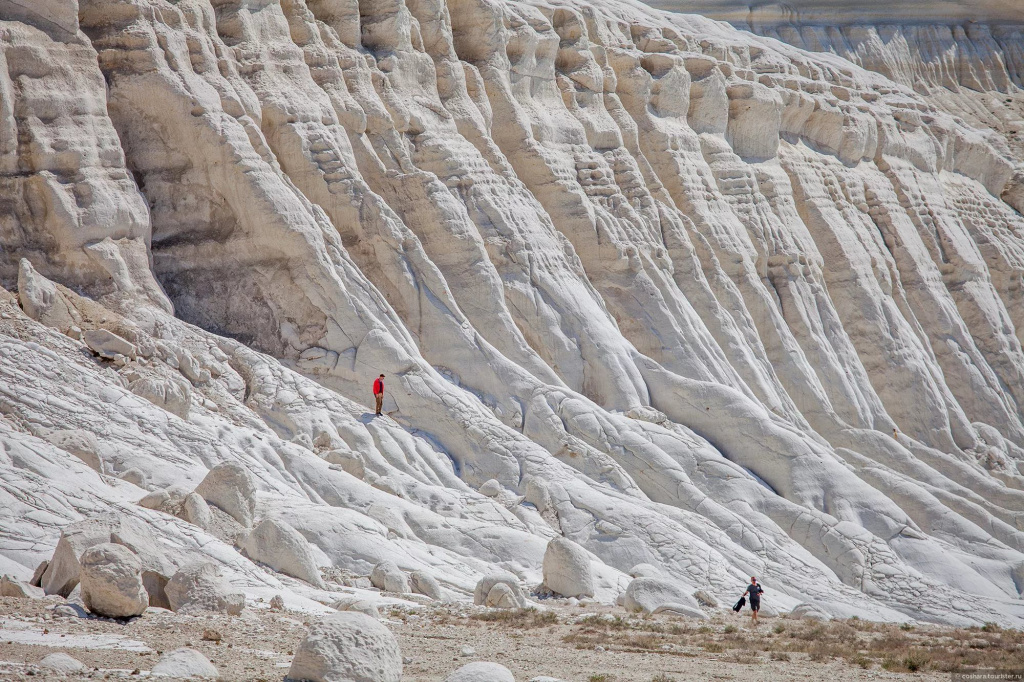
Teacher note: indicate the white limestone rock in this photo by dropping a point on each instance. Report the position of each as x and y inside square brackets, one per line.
[364, 606]
[186, 664]
[231, 488]
[566, 569]
[645, 571]
[61, 663]
[481, 671]
[387, 576]
[499, 589]
[195, 510]
[809, 611]
[347, 460]
[349, 647]
[80, 443]
[278, 545]
[649, 594]
[200, 587]
[173, 395]
[111, 580]
[424, 583]
[12, 587]
[107, 344]
[42, 300]
[490, 488]
[699, 267]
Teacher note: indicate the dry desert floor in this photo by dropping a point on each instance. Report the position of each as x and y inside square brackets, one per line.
[572, 643]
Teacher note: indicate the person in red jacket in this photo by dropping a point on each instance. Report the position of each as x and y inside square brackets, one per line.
[378, 392]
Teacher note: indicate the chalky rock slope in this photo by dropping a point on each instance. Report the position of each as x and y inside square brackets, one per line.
[690, 297]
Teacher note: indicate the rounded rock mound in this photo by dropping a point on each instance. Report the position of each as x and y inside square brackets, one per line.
[276, 544]
[111, 580]
[230, 487]
[653, 595]
[200, 587]
[567, 569]
[185, 663]
[481, 671]
[387, 576]
[347, 647]
[499, 589]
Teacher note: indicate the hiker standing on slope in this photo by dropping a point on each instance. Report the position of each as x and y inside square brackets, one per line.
[754, 592]
[378, 392]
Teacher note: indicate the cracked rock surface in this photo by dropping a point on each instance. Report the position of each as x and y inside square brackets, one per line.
[684, 296]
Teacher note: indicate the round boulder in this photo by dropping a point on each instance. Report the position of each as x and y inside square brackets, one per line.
[645, 571]
[809, 611]
[387, 576]
[276, 544]
[490, 488]
[499, 589]
[60, 662]
[648, 594]
[200, 587]
[347, 647]
[230, 487]
[426, 584]
[185, 663]
[567, 569]
[482, 671]
[111, 580]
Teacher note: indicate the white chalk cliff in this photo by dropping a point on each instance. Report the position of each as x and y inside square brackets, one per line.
[691, 297]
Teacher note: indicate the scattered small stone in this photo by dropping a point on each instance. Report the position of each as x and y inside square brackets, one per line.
[468, 651]
[62, 663]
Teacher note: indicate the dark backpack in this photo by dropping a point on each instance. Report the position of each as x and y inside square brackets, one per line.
[740, 604]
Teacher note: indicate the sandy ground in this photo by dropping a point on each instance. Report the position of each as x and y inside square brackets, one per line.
[258, 646]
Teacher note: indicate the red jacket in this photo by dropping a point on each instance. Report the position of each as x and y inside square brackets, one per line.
[378, 386]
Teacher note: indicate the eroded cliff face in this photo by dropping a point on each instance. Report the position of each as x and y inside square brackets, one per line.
[690, 297]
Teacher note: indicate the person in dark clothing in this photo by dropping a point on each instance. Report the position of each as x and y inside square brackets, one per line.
[378, 392]
[753, 592]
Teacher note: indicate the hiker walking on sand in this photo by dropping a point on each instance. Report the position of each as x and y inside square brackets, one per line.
[754, 591]
[378, 392]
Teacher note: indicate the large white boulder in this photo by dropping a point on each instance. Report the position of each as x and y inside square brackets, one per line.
[230, 487]
[650, 594]
[195, 510]
[425, 584]
[200, 587]
[62, 574]
[111, 579]
[387, 576]
[276, 544]
[481, 671]
[499, 589]
[347, 647]
[567, 569]
[185, 663]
